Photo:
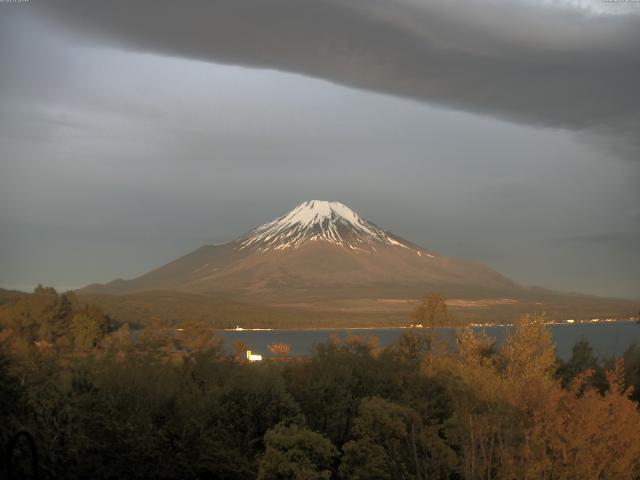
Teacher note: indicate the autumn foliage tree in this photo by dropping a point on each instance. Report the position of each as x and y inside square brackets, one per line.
[432, 312]
[513, 419]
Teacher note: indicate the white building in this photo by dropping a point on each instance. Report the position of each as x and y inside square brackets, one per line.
[253, 358]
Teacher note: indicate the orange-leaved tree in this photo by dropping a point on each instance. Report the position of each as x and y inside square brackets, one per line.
[513, 419]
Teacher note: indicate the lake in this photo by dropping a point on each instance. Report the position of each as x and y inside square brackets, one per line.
[607, 339]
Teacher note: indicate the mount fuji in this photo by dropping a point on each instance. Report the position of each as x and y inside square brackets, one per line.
[324, 257]
[320, 250]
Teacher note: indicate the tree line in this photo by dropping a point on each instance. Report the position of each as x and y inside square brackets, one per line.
[103, 403]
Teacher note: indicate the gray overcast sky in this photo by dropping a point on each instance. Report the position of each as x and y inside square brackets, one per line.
[505, 132]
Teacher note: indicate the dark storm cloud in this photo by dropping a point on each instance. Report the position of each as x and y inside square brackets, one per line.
[522, 61]
[118, 152]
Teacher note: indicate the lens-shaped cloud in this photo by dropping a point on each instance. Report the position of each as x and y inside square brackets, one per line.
[560, 64]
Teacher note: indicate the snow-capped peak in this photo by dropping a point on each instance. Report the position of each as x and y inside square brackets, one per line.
[318, 220]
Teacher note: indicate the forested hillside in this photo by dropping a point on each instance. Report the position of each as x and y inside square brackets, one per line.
[103, 403]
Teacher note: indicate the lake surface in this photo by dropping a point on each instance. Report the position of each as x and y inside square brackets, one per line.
[607, 339]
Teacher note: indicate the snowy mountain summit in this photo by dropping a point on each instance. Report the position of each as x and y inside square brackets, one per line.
[319, 220]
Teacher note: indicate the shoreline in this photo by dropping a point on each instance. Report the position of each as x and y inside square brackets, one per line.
[406, 327]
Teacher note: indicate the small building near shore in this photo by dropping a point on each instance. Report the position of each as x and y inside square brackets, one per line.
[252, 357]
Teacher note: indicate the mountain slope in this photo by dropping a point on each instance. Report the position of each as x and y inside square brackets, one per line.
[319, 251]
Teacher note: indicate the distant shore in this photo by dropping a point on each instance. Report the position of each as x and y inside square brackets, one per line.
[412, 327]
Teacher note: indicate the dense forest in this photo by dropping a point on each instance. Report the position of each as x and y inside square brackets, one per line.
[100, 402]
